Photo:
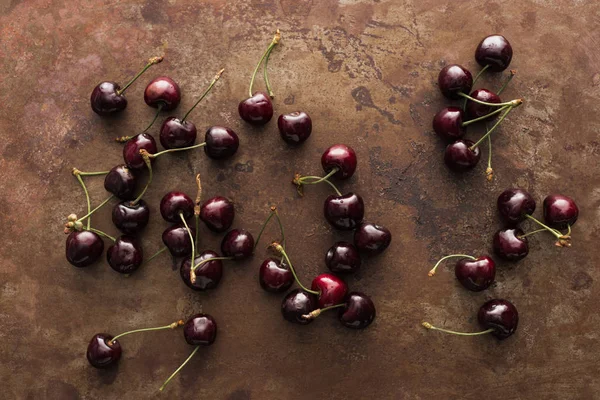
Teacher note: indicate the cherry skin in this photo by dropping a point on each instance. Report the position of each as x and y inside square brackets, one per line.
[162, 92]
[342, 257]
[372, 238]
[298, 303]
[101, 352]
[341, 157]
[510, 244]
[105, 100]
[475, 275]
[274, 276]
[294, 127]
[208, 275]
[121, 182]
[217, 213]
[200, 329]
[494, 51]
[175, 134]
[344, 212]
[332, 290]
[476, 110]
[358, 311]
[177, 240]
[459, 156]
[175, 203]
[454, 79]
[83, 248]
[130, 218]
[131, 150]
[256, 110]
[514, 205]
[560, 211]
[221, 142]
[499, 315]
[238, 244]
[125, 255]
[448, 123]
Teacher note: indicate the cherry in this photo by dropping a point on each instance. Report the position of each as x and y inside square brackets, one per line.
[274, 276]
[511, 244]
[121, 182]
[162, 93]
[341, 158]
[372, 238]
[221, 142]
[294, 127]
[448, 123]
[217, 213]
[461, 155]
[454, 79]
[237, 244]
[342, 257]
[475, 274]
[332, 290]
[177, 239]
[107, 97]
[102, 352]
[514, 204]
[477, 110]
[344, 212]
[131, 150]
[175, 203]
[560, 211]
[494, 51]
[208, 274]
[131, 218]
[83, 248]
[298, 303]
[125, 255]
[358, 311]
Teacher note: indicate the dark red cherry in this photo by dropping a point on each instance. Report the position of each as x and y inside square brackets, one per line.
[475, 275]
[221, 142]
[454, 79]
[175, 134]
[175, 203]
[344, 212]
[459, 156]
[332, 290]
[358, 311]
[162, 92]
[448, 123]
[237, 243]
[494, 51]
[274, 276]
[208, 275]
[101, 352]
[83, 248]
[342, 257]
[131, 150]
[514, 204]
[125, 255]
[499, 315]
[510, 244]
[121, 182]
[372, 238]
[177, 240]
[560, 211]
[200, 329]
[294, 127]
[298, 303]
[256, 110]
[341, 157]
[130, 218]
[476, 110]
[217, 213]
[106, 100]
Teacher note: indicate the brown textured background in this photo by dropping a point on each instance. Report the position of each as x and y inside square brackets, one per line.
[366, 72]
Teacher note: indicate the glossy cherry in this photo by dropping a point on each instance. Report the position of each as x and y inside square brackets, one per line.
[174, 203]
[294, 127]
[217, 213]
[514, 204]
[494, 51]
[499, 315]
[238, 244]
[83, 248]
[208, 274]
[560, 211]
[448, 123]
[460, 157]
[372, 238]
[131, 218]
[221, 142]
[121, 182]
[342, 257]
[125, 255]
[358, 311]
[177, 240]
[131, 150]
[101, 352]
[340, 157]
[256, 110]
[332, 290]
[274, 276]
[344, 212]
[454, 79]
[175, 134]
[200, 330]
[475, 275]
[298, 303]
[162, 92]
[476, 110]
[510, 244]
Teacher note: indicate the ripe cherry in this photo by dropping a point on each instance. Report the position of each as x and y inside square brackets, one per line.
[340, 158]
[125, 255]
[208, 274]
[372, 238]
[174, 204]
[131, 218]
[332, 290]
[217, 213]
[494, 51]
[560, 211]
[102, 352]
[298, 303]
[178, 241]
[448, 123]
[221, 142]
[511, 244]
[475, 274]
[454, 79]
[461, 155]
[477, 110]
[358, 311]
[162, 93]
[344, 212]
[274, 276]
[294, 127]
[131, 150]
[342, 257]
[83, 248]
[237, 244]
[121, 181]
[514, 205]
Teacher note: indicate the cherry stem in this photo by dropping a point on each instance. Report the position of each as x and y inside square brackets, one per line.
[92, 173]
[160, 106]
[279, 248]
[207, 260]
[489, 172]
[429, 326]
[191, 238]
[265, 75]
[87, 195]
[481, 71]
[156, 254]
[106, 235]
[273, 213]
[178, 369]
[151, 62]
[212, 83]
[497, 111]
[318, 179]
[315, 313]
[512, 74]
[274, 43]
[489, 132]
[555, 232]
[513, 103]
[160, 153]
[432, 271]
[197, 207]
[158, 328]
[532, 233]
[96, 209]
[147, 161]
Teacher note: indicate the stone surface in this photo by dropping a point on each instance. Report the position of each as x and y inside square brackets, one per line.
[366, 72]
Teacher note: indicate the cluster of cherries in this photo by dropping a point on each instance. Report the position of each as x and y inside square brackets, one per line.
[494, 53]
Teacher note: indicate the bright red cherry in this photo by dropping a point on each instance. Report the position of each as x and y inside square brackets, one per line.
[332, 290]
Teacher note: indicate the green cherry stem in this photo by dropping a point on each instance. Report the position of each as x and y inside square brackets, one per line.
[160, 106]
[153, 256]
[429, 326]
[151, 62]
[106, 235]
[179, 369]
[513, 103]
[158, 328]
[533, 233]
[265, 75]
[272, 212]
[274, 43]
[315, 313]
[512, 74]
[160, 153]
[313, 180]
[489, 132]
[96, 209]
[191, 239]
[148, 162]
[279, 249]
[77, 174]
[432, 271]
[212, 83]
[197, 207]
[481, 71]
[497, 111]
[92, 173]
[555, 232]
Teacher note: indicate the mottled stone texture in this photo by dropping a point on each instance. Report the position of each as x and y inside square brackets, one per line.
[366, 72]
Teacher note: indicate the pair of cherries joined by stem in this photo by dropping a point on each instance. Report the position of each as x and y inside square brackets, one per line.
[105, 351]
